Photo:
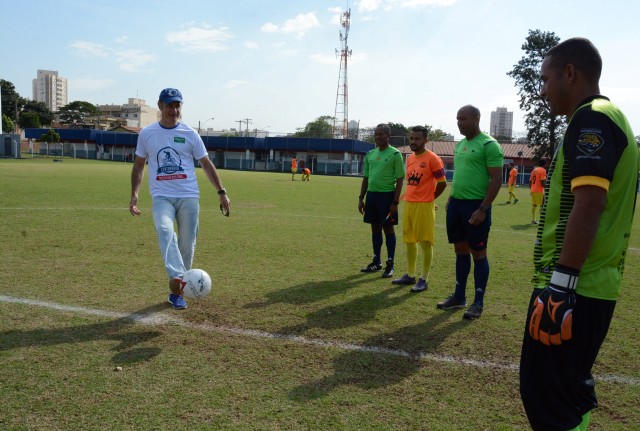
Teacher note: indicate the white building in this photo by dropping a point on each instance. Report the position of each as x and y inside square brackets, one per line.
[135, 113]
[50, 88]
[501, 123]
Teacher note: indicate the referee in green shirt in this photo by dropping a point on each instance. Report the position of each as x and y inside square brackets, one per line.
[383, 175]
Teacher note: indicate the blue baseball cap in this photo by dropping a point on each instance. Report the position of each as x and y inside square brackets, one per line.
[169, 95]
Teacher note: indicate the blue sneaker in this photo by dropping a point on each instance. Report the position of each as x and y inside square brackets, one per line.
[420, 286]
[177, 301]
[405, 279]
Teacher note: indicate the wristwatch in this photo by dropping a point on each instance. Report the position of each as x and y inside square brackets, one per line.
[222, 192]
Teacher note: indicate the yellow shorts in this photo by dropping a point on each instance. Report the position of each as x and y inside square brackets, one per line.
[419, 222]
[537, 198]
[511, 188]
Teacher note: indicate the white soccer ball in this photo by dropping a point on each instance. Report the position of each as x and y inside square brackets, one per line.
[196, 284]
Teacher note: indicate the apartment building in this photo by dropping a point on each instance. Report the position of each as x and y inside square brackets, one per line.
[50, 88]
[501, 123]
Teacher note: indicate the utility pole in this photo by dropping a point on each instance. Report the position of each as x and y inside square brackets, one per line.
[247, 121]
[239, 126]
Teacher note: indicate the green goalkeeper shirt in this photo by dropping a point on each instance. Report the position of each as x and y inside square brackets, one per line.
[598, 149]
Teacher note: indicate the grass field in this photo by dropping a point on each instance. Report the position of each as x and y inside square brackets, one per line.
[293, 337]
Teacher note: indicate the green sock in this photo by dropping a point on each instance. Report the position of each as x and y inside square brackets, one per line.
[585, 421]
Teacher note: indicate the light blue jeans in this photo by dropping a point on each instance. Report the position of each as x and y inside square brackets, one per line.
[176, 250]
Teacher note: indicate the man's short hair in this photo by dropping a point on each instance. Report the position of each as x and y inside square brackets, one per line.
[421, 129]
[542, 162]
[472, 109]
[385, 127]
[579, 52]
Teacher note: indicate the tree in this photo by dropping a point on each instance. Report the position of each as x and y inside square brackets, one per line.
[75, 112]
[437, 134]
[321, 127]
[544, 131]
[45, 116]
[50, 137]
[12, 103]
[28, 120]
[7, 125]
[398, 134]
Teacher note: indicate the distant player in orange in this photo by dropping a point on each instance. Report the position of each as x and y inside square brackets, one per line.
[306, 174]
[513, 173]
[537, 181]
[294, 168]
[425, 182]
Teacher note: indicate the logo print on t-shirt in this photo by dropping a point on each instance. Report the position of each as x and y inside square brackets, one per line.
[414, 179]
[169, 165]
[590, 141]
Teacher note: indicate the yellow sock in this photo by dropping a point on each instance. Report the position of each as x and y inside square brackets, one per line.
[533, 212]
[412, 258]
[427, 259]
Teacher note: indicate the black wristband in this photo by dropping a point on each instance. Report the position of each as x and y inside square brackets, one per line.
[222, 192]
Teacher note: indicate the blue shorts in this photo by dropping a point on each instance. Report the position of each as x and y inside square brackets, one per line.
[376, 208]
[460, 230]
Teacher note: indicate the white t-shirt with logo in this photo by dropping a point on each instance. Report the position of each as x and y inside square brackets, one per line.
[170, 154]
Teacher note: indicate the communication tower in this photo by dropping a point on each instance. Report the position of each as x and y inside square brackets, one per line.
[341, 116]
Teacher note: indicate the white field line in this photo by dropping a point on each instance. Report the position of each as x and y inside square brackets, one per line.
[158, 319]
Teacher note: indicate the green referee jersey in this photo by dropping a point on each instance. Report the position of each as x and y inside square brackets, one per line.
[470, 162]
[383, 168]
[598, 149]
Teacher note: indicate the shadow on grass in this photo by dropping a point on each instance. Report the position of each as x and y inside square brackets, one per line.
[377, 367]
[310, 292]
[115, 330]
[354, 312]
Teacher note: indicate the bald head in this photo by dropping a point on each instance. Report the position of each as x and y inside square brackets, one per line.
[469, 121]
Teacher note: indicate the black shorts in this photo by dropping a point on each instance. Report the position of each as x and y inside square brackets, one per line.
[556, 384]
[376, 208]
[460, 230]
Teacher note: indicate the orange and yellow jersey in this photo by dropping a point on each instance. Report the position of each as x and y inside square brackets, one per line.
[538, 175]
[512, 176]
[423, 172]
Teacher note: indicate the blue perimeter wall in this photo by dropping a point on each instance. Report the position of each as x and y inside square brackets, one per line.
[213, 143]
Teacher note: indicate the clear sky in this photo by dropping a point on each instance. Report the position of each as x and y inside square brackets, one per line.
[273, 61]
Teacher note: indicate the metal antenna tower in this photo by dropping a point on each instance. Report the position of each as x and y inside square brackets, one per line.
[341, 116]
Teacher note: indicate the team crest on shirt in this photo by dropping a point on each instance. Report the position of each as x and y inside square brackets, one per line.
[169, 165]
[414, 178]
[590, 141]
